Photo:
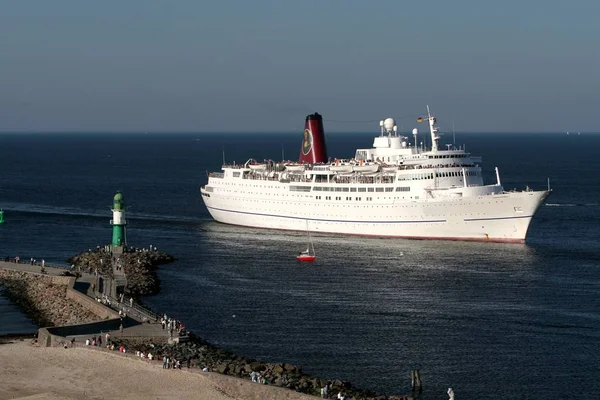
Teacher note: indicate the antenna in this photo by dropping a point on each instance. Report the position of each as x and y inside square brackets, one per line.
[282, 153]
[223, 147]
[453, 134]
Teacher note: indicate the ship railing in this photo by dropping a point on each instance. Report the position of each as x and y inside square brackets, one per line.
[258, 177]
[233, 166]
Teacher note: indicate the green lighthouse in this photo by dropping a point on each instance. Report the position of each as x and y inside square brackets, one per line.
[118, 222]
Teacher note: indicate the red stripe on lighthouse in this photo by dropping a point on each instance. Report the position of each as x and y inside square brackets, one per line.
[313, 149]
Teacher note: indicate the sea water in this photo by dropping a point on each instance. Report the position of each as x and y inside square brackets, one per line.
[517, 321]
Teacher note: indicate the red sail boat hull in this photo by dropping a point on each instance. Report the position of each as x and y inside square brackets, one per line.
[306, 258]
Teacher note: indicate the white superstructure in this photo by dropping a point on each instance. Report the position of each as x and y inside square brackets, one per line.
[394, 189]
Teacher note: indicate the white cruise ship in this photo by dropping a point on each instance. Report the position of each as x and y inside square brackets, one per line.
[397, 189]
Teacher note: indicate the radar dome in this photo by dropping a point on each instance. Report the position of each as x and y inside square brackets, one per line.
[389, 123]
[415, 131]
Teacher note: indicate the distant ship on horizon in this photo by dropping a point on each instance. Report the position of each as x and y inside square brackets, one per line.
[395, 189]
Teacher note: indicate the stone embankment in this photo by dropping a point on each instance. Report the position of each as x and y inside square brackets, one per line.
[202, 355]
[44, 298]
[139, 265]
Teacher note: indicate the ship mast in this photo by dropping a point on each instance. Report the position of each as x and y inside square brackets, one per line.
[435, 137]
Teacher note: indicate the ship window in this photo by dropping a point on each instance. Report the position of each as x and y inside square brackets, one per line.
[353, 189]
[236, 174]
[370, 189]
[379, 189]
[299, 188]
[389, 189]
[345, 189]
[362, 189]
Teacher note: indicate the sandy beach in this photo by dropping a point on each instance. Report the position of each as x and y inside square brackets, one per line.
[31, 372]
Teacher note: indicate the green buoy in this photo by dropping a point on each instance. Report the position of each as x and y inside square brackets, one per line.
[1, 216]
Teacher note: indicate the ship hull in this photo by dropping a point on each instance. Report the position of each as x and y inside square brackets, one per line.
[502, 217]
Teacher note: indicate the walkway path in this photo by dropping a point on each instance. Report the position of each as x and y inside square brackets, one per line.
[133, 326]
[26, 267]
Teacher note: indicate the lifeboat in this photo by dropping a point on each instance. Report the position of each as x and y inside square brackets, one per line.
[389, 168]
[341, 168]
[366, 168]
[257, 167]
[295, 167]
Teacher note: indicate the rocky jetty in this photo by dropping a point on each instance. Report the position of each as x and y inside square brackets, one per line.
[202, 355]
[139, 266]
[42, 300]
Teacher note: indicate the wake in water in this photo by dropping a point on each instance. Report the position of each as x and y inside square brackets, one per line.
[26, 208]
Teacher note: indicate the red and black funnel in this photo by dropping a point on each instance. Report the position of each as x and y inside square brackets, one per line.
[313, 148]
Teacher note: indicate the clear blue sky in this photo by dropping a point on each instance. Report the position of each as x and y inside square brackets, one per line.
[198, 65]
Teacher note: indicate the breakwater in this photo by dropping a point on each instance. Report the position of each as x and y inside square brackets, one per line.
[138, 264]
[55, 300]
[197, 353]
[44, 298]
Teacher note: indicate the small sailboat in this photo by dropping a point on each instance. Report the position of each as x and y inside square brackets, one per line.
[307, 255]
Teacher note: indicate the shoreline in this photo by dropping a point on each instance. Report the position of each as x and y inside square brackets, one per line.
[147, 336]
[83, 373]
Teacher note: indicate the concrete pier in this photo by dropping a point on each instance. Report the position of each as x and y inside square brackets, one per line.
[79, 291]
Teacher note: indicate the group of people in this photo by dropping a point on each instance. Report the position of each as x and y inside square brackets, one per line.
[104, 299]
[141, 354]
[340, 396]
[32, 261]
[171, 363]
[257, 378]
[97, 341]
[172, 325]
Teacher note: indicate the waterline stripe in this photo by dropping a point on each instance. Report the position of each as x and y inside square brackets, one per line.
[329, 220]
[489, 219]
